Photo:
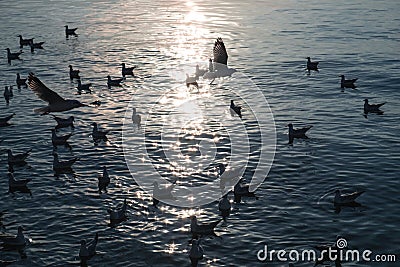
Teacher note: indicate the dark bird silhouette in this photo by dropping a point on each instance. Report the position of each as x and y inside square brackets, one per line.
[196, 253]
[12, 56]
[88, 250]
[297, 133]
[97, 134]
[59, 140]
[84, 87]
[114, 82]
[17, 158]
[236, 109]
[21, 82]
[56, 102]
[7, 94]
[346, 198]
[24, 42]
[12, 183]
[126, 70]
[4, 120]
[69, 31]
[205, 229]
[36, 46]
[63, 123]
[347, 83]
[104, 180]
[373, 108]
[312, 65]
[73, 73]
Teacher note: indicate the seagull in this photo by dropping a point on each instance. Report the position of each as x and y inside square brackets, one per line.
[242, 190]
[69, 31]
[84, 87]
[73, 73]
[297, 133]
[59, 165]
[312, 65]
[17, 158]
[220, 62]
[374, 108]
[21, 82]
[96, 134]
[88, 250]
[191, 81]
[35, 46]
[346, 198]
[224, 206]
[4, 120]
[24, 42]
[14, 241]
[127, 71]
[59, 140]
[114, 82]
[347, 83]
[236, 109]
[162, 193]
[196, 252]
[12, 183]
[202, 229]
[136, 118]
[200, 72]
[118, 214]
[104, 180]
[12, 56]
[56, 102]
[63, 123]
[7, 94]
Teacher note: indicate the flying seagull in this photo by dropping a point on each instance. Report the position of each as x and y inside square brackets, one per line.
[56, 102]
[220, 67]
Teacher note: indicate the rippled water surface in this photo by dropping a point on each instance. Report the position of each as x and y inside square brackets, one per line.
[267, 41]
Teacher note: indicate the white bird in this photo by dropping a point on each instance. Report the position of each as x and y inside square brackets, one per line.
[114, 82]
[220, 67]
[14, 241]
[12, 183]
[118, 214]
[346, 198]
[191, 81]
[196, 252]
[136, 118]
[97, 134]
[104, 180]
[88, 250]
[17, 158]
[60, 165]
[199, 72]
[224, 206]
[56, 102]
[202, 229]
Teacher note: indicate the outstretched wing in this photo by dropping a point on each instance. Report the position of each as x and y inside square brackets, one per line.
[42, 91]
[219, 51]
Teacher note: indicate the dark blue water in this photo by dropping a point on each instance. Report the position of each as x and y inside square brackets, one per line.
[266, 40]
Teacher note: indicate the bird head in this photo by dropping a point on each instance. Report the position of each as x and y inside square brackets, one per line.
[290, 125]
[123, 64]
[366, 101]
[72, 118]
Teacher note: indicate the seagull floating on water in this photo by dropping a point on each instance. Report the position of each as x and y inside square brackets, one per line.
[56, 102]
[7, 94]
[60, 165]
[163, 193]
[242, 190]
[17, 158]
[4, 120]
[202, 229]
[88, 250]
[126, 71]
[12, 56]
[63, 123]
[374, 108]
[224, 206]
[312, 65]
[191, 81]
[36, 46]
[12, 183]
[24, 42]
[84, 87]
[73, 74]
[118, 214]
[114, 82]
[21, 82]
[346, 198]
[196, 252]
[236, 109]
[69, 31]
[220, 65]
[97, 134]
[59, 140]
[14, 241]
[104, 180]
[347, 83]
[297, 133]
[136, 118]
